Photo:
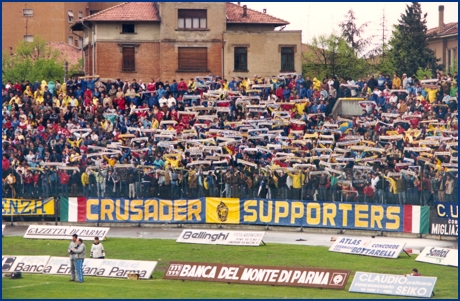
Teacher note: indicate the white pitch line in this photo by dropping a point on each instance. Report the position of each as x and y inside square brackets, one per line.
[25, 286]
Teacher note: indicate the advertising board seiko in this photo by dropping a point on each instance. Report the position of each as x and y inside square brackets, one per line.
[396, 285]
[214, 237]
[375, 248]
[437, 255]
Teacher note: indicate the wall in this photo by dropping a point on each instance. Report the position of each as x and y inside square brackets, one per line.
[101, 5]
[49, 20]
[264, 57]
[111, 31]
[109, 61]
[169, 59]
[250, 27]
[440, 46]
[215, 21]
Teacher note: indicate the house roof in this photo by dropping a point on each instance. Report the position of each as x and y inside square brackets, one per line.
[68, 52]
[449, 29]
[235, 15]
[148, 11]
[127, 11]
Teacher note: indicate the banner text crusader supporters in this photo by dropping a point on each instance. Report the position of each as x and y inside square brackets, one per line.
[379, 217]
[322, 215]
[266, 275]
[145, 210]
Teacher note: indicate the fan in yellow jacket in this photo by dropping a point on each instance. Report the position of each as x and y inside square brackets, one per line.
[38, 95]
[316, 84]
[173, 160]
[66, 100]
[28, 92]
[393, 186]
[297, 179]
[63, 89]
[431, 94]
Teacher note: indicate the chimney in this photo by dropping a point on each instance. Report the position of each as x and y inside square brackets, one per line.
[245, 11]
[239, 3]
[441, 19]
[265, 10]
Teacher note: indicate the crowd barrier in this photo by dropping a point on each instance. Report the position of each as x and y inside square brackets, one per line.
[235, 211]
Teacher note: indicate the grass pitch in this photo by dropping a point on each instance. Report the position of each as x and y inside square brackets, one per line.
[38, 286]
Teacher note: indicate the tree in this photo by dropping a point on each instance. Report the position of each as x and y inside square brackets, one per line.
[353, 34]
[33, 61]
[331, 55]
[409, 43]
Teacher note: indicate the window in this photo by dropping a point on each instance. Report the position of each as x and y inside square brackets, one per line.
[241, 59]
[70, 40]
[28, 12]
[80, 15]
[70, 15]
[128, 59]
[28, 38]
[287, 59]
[80, 43]
[92, 12]
[193, 59]
[127, 28]
[192, 19]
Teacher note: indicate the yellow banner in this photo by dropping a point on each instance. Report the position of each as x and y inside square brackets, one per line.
[27, 207]
[223, 211]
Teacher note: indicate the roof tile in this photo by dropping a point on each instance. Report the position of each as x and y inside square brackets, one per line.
[449, 28]
[235, 15]
[128, 11]
[68, 52]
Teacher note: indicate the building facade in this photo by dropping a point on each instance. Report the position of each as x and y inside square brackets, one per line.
[173, 40]
[444, 41]
[21, 21]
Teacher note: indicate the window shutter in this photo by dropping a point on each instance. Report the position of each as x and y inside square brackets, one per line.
[128, 58]
[193, 59]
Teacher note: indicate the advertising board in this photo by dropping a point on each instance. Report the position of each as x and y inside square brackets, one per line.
[265, 275]
[396, 285]
[367, 247]
[215, 237]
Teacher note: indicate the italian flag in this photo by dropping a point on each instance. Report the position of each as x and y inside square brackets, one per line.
[416, 219]
[73, 209]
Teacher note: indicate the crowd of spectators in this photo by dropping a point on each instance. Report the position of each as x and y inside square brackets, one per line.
[273, 138]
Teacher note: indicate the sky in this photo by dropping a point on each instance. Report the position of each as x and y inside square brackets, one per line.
[323, 18]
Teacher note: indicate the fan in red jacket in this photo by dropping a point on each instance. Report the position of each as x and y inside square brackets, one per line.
[63, 177]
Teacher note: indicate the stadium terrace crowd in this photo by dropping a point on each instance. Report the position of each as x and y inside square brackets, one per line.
[274, 138]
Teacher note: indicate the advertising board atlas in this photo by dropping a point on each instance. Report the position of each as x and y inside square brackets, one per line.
[367, 247]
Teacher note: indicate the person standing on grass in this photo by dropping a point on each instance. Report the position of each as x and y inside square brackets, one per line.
[73, 257]
[97, 250]
[413, 273]
[80, 252]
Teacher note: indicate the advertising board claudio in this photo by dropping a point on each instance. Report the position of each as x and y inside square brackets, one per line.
[396, 285]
